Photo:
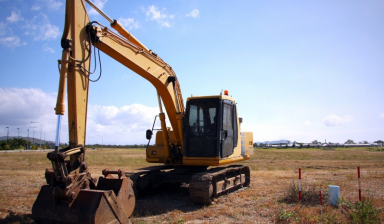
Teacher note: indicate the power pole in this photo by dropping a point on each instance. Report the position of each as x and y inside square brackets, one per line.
[7, 133]
[41, 127]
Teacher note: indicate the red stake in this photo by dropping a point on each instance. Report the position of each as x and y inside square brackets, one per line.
[358, 177]
[299, 184]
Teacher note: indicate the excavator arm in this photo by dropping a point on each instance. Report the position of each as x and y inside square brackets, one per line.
[78, 37]
[146, 64]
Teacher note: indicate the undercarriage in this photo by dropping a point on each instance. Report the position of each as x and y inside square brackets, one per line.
[204, 184]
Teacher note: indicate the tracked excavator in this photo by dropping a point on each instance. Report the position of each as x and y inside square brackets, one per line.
[204, 135]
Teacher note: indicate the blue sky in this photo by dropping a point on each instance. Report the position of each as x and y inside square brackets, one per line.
[299, 70]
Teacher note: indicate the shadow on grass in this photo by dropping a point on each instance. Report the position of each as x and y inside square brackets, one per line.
[163, 200]
[17, 218]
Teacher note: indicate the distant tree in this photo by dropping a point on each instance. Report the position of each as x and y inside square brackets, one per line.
[294, 145]
[255, 144]
[315, 142]
[349, 141]
[6, 147]
[365, 142]
[12, 144]
[50, 146]
[301, 145]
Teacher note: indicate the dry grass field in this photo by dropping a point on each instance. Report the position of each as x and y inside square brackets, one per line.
[271, 197]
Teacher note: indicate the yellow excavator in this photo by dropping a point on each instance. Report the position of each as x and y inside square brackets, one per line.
[203, 136]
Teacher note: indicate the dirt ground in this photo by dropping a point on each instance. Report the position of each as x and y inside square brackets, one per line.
[273, 173]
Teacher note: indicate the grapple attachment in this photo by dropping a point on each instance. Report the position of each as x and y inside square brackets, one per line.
[112, 201]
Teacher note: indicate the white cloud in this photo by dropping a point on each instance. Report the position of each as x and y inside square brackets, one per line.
[50, 4]
[124, 125]
[153, 13]
[194, 13]
[334, 120]
[48, 49]
[53, 4]
[18, 106]
[307, 123]
[14, 17]
[40, 28]
[3, 26]
[100, 4]
[129, 23]
[133, 116]
[36, 8]
[12, 41]
[381, 115]
[49, 32]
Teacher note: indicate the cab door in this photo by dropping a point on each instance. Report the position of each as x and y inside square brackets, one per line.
[200, 133]
[229, 131]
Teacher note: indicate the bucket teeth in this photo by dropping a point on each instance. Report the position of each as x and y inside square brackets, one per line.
[112, 201]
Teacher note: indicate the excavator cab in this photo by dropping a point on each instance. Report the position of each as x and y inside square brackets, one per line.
[211, 134]
[211, 128]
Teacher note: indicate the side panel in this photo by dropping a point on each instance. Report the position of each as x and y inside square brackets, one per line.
[246, 143]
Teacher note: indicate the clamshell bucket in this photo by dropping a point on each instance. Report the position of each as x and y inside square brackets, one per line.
[112, 201]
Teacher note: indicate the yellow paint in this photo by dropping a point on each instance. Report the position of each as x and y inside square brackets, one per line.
[131, 53]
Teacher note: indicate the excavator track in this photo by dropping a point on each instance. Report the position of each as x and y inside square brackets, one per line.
[207, 185]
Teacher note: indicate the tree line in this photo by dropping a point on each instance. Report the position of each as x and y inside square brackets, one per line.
[20, 143]
[314, 142]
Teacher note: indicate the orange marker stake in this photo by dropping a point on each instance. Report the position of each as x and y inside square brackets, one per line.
[300, 184]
